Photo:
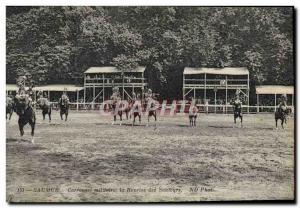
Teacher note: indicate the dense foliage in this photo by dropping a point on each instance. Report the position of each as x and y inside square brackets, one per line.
[57, 44]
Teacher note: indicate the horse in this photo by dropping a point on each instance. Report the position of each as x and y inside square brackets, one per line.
[117, 109]
[26, 115]
[136, 111]
[127, 109]
[151, 109]
[193, 115]
[9, 107]
[45, 105]
[64, 107]
[282, 114]
[237, 111]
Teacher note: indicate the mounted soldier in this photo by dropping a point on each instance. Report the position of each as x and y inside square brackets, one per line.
[23, 108]
[282, 104]
[9, 105]
[44, 104]
[116, 105]
[237, 107]
[282, 111]
[64, 105]
[150, 105]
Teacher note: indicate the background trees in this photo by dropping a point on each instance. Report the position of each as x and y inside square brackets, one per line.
[57, 44]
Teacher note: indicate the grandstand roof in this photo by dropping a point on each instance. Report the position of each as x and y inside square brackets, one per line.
[111, 69]
[274, 89]
[58, 88]
[221, 71]
[50, 87]
[11, 87]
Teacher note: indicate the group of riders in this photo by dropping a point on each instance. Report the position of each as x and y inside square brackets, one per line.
[25, 101]
[134, 106]
[26, 98]
[282, 110]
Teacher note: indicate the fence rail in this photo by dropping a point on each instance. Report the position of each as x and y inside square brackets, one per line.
[220, 109]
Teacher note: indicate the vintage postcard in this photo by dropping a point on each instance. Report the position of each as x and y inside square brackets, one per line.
[150, 104]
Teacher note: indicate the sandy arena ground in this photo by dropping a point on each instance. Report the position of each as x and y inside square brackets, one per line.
[86, 159]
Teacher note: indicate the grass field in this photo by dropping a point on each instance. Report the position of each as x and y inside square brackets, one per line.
[86, 159]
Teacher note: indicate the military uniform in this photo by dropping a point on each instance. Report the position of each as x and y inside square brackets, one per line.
[282, 105]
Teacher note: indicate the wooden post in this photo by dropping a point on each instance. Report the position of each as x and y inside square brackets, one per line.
[226, 94]
[94, 95]
[133, 89]
[142, 86]
[183, 88]
[194, 93]
[103, 98]
[49, 96]
[122, 85]
[248, 90]
[205, 88]
[84, 91]
[275, 103]
[77, 100]
[215, 100]
[257, 96]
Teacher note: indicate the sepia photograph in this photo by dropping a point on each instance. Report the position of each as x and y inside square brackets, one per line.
[150, 104]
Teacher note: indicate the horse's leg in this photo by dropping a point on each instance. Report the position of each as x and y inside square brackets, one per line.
[140, 119]
[10, 115]
[285, 119]
[276, 120]
[49, 114]
[44, 115]
[155, 119]
[148, 120]
[32, 124]
[133, 120]
[120, 115]
[195, 118]
[21, 126]
[66, 114]
[115, 118]
[61, 115]
[241, 116]
[234, 118]
[282, 121]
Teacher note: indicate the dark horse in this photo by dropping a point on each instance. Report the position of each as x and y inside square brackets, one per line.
[64, 107]
[9, 107]
[237, 111]
[136, 111]
[151, 109]
[45, 105]
[282, 115]
[193, 115]
[26, 114]
[117, 109]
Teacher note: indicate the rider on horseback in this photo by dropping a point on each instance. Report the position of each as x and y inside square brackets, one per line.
[282, 104]
[148, 94]
[65, 95]
[237, 105]
[22, 95]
